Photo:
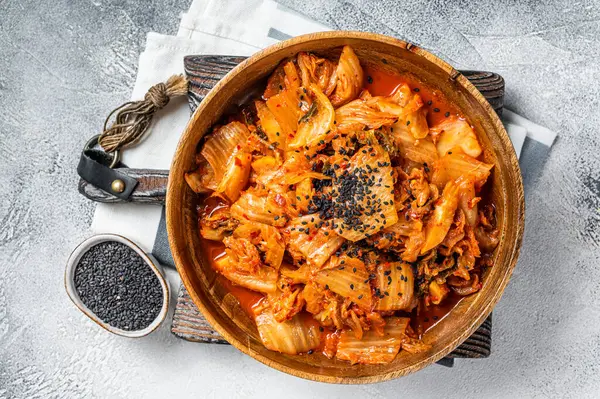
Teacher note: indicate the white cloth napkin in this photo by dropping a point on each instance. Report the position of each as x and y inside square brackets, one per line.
[231, 28]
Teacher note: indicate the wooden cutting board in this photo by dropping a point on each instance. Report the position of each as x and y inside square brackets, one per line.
[203, 72]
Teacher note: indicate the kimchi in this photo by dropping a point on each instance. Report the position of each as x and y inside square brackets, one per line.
[352, 202]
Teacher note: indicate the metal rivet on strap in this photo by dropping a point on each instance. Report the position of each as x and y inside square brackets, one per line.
[118, 186]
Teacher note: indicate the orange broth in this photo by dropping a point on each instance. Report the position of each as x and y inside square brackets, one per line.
[381, 83]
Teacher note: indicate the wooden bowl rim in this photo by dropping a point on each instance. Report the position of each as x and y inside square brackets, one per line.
[511, 255]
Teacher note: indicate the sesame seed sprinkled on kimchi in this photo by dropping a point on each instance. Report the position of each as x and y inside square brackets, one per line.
[349, 215]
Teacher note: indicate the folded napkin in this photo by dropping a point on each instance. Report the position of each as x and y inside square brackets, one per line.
[235, 28]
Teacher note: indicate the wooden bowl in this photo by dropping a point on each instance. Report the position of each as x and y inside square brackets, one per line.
[223, 311]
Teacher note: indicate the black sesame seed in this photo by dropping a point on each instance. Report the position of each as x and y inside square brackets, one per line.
[369, 79]
[116, 284]
[436, 110]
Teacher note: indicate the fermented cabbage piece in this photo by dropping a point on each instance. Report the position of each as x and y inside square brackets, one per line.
[373, 348]
[363, 194]
[467, 200]
[454, 132]
[217, 224]
[236, 175]
[316, 123]
[267, 238]
[420, 151]
[307, 238]
[296, 169]
[350, 280]
[286, 303]
[437, 292]
[456, 164]
[264, 279]
[286, 105]
[349, 75]
[223, 144]
[201, 180]
[265, 169]
[405, 227]
[394, 287]
[443, 214]
[319, 71]
[358, 115]
[294, 336]
[269, 125]
[392, 238]
[413, 246]
[242, 253]
[304, 194]
[276, 81]
[255, 205]
[408, 109]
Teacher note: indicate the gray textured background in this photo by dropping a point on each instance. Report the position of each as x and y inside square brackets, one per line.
[64, 64]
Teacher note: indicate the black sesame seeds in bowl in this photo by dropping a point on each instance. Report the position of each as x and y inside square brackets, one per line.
[117, 285]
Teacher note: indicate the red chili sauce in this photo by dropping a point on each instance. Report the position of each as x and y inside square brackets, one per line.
[381, 83]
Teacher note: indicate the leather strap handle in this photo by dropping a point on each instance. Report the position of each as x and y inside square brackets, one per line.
[151, 187]
[105, 179]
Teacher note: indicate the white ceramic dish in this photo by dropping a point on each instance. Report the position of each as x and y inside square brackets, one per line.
[150, 261]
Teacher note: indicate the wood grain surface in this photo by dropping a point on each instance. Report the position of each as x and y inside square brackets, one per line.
[189, 323]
